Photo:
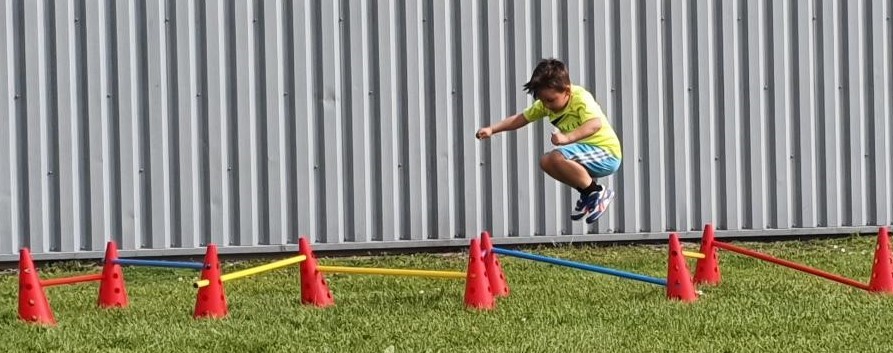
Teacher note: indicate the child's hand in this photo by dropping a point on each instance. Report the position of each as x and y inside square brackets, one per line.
[484, 133]
[559, 139]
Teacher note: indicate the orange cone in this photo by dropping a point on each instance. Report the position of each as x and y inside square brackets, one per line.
[33, 304]
[882, 270]
[707, 269]
[112, 293]
[498, 285]
[679, 285]
[314, 289]
[477, 286]
[211, 299]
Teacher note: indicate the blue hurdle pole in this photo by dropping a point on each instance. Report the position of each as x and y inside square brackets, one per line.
[581, 266]
[156, 263]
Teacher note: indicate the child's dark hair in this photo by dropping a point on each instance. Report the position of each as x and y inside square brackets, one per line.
[549, 73]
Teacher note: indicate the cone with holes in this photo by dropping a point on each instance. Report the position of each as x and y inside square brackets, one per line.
[477, 286]
[707, 269]
[33, 304]
[112, 293]
[498, 285]
[882, 270]
[314, 289]
[679, 285]
[211, 299]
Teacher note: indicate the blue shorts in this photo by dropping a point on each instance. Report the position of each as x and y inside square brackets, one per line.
[598, 162]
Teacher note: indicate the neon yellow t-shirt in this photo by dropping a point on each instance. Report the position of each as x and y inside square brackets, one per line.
[581, 108]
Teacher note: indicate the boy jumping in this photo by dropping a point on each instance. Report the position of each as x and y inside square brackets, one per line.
[587, 147]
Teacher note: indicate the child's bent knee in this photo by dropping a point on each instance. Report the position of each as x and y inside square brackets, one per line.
[545, 163]
[551, 160]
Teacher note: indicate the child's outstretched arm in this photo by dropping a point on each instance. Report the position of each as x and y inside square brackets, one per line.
[513, 122]
[583, 131]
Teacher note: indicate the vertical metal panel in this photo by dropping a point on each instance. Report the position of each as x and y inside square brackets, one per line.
[653, 80]
[246, 118]
[306, 170]
[218, 122]
[36, 105]
[359, 224]
[679, 167]
[779, 89]
[69, 168]
[159, 118]
[498, 27]
[414, 164]
[705, 50]
[629, 115]
[880, 13]
[470, 116]
[854, 91]
[758, 121]
[188, 192]
[805, 114]
[9, 228]
[730, 112]
[830, 111]
[167, 125]
[97, 143]
[130, 110]
[385, 87]
[889, 100]
[440, 113]
[277, 157]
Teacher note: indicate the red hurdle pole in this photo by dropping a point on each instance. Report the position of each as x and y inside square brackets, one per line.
[71, 280]
[795, 266]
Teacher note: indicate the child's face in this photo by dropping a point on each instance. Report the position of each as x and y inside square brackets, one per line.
[554, 100]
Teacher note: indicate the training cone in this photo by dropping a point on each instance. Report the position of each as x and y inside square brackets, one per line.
[882, 270]
[33, 304]
[314, 289]
[707, 269]
[477, 286]
[211, 299]
[498, 285]
[112, 293]
[679, 285]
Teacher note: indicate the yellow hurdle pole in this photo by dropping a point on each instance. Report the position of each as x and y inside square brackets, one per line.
[393, 272]
[253, 271]
[696, 255]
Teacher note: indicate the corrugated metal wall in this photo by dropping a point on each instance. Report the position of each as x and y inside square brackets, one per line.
[168, 124]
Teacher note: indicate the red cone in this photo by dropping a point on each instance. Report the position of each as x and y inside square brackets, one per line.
[707, 269]
[314, 289]
[477, 286]
[679, 285]
[33, 304]
[882, 271]
[112, 293]
[211, 299]
[498, 285]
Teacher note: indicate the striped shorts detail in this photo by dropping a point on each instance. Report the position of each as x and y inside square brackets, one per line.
[598, 162]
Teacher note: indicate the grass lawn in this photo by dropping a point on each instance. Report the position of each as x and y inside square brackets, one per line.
[759, 307]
